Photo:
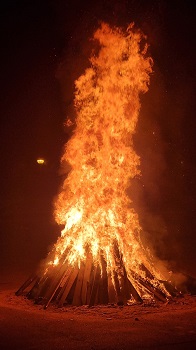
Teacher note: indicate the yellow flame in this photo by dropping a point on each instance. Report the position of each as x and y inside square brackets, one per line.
[93, 204]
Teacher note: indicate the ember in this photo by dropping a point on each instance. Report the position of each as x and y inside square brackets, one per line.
[99, 257]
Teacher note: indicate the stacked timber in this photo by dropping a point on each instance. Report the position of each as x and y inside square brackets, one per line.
[89, 284]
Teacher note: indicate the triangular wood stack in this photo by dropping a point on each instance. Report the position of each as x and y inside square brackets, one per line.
[91, 284]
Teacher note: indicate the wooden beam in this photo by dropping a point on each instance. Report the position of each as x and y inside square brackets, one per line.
[77, 300]
[64, 283]
[117, 289]
[95, 285]
[26, 284]
[111, 291]
[70, 282]
[103, 297]
[85, 294]
[157, 293]
[131, 291]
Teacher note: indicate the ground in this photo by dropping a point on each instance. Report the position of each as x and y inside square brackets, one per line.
[24, 325]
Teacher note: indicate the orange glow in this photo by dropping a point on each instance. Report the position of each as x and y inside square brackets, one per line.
[93, 204]
[40, 161]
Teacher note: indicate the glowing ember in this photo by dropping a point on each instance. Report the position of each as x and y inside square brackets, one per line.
[100, 241]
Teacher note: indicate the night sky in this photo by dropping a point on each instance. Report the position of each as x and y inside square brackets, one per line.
[44, 47]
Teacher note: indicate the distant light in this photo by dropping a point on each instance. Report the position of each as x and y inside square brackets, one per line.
[40, 161]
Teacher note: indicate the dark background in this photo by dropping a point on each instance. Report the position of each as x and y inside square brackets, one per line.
[44, 47]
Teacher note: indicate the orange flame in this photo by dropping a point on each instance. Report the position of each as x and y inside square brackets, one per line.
[93, 203]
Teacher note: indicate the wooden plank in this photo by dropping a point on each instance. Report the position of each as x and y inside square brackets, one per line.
[63, 283]
[103, 285]
[133, 291]
[127, 289]
[111, 291]
[118, 276]
[39, 291]
[117, 289]
[123, 286]
[71, 281]
[26, 284]
[55, 276]
[34, 291]
[157, 293]
[77, 300]
[54, 290]
[97, 275]
[86, 280]
[90, 284]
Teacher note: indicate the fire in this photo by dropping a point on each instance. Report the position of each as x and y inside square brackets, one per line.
[93, 204]
[99, 255]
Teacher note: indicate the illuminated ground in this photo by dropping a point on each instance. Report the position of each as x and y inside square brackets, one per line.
[24, 325]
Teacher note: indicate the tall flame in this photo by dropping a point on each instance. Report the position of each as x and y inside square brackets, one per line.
[93, 204]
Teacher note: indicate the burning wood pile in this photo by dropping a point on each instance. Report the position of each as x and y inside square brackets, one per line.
[99, 258]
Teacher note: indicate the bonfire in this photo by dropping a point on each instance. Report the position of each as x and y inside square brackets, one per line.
[99, 257]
